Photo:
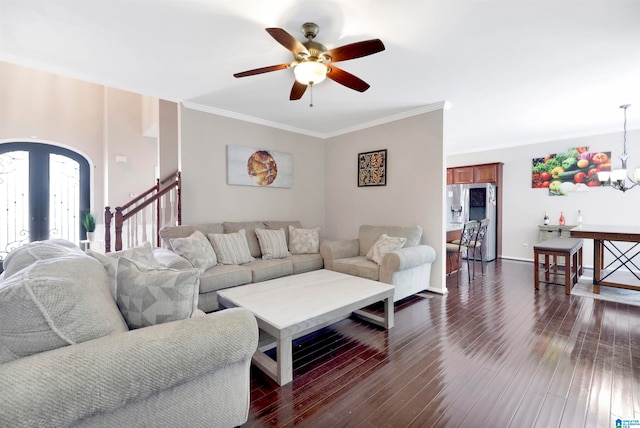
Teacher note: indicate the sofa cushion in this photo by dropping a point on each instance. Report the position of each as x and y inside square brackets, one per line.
[304, 241]
[263, 270]
[154, 295]
[383, 246]
[26, 255]
[273, 244]
[54, 303]
[306, 262]
[197, 249]
[277, 224]
[224, 276]
[142, 254]
[231, 248]
[249, 227]
[168, 233]
[369, 235]
[358, 266]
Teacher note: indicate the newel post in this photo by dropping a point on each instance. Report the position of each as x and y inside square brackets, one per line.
[107, 229]
[119, 222]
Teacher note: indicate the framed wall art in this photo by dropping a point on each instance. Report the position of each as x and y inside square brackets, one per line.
[248, 166]
[372, 168]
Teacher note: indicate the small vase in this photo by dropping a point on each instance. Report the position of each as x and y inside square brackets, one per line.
[91, 236]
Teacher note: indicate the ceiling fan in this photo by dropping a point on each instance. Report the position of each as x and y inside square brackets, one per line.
[313, 62]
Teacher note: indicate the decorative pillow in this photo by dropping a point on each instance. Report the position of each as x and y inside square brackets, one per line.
[384, 245]
[273, 244]
[28, 254]
[197, 249]
[155, 295]
[231, 248]
[53, 303]
[304, 241]
[142, 254]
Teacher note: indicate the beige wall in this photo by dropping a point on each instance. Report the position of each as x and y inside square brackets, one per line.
[524, 207]
[206, 195]
[414, 193]
[44, 107]
[168, 138]
[95, 121]
[124, 138]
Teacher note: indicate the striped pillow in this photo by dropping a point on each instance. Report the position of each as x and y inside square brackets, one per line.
[231, 248]
[273, 243]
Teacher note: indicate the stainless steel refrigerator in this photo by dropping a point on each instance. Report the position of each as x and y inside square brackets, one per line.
[475, 202]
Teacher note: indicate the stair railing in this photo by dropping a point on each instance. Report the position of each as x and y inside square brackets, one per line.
[142, 217]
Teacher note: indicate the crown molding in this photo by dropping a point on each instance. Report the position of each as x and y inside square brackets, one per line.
[251, 119]
[442, 105]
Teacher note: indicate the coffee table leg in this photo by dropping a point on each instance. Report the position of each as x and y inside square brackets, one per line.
[285, 360]
[388, 313]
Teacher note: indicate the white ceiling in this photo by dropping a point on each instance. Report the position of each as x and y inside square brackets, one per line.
[514, 71]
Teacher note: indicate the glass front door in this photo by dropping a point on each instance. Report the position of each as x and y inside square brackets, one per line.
[43, 189]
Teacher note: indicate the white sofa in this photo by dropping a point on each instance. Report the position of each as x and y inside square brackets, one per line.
[221, 276]
[408, 269]
[68, 358]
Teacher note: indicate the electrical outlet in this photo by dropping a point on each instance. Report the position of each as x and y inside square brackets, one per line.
[525, 245]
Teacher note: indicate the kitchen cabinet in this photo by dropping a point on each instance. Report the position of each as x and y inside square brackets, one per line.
[485, 173]
[463, 175]
[452, 263]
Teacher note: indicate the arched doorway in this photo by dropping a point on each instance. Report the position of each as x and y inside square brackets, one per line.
[43, 190]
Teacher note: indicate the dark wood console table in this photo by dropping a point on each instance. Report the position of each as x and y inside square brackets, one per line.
[604, 238]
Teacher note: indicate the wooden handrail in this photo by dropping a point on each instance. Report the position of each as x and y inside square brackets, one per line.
[139, 203]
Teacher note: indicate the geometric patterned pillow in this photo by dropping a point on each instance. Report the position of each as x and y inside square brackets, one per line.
[304, 241]
[197, 249]
[231, 248]
[154, 295]
[384, 245]
[142, 254]
[273, 243]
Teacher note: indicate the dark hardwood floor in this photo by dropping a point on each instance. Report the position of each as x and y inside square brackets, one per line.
[491, 354]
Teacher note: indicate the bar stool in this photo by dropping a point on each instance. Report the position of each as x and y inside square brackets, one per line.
[478, 244]
[469, 231]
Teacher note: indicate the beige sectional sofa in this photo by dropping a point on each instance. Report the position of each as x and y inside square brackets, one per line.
[69, 356]
[408, 268]
[223, 276]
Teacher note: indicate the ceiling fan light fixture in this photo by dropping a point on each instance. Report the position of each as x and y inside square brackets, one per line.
[310, 72]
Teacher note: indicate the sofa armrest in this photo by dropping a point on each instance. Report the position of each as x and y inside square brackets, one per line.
[341, 249]
[407, 258]
[58, 387]
[170, 259]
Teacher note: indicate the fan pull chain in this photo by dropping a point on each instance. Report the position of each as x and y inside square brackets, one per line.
[311, 94]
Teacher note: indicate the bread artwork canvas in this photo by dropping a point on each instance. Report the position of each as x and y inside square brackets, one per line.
[248, 166]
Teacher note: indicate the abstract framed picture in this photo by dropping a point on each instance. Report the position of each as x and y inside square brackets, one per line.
[372, 168]
[248, 166]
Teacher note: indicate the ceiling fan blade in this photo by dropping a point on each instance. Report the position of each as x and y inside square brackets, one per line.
[356, 50]
[297, 91]
[261, 70]
[288, 41]
[347, 79]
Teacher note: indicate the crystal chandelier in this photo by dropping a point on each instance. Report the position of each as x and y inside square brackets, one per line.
[619, 178]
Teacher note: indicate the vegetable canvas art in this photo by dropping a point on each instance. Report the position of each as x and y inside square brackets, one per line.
[572, 171]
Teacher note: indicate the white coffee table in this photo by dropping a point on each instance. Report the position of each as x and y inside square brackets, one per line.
[290, 307]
